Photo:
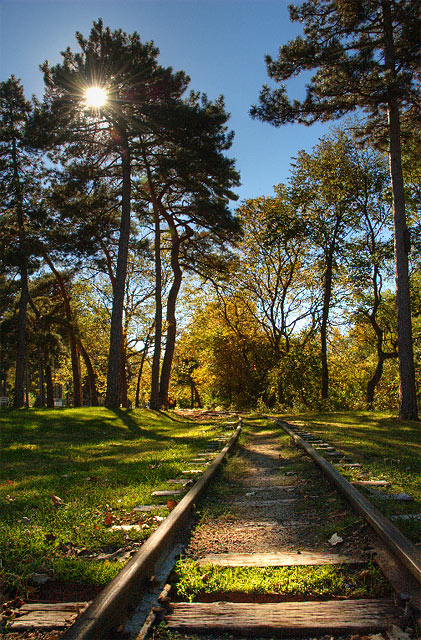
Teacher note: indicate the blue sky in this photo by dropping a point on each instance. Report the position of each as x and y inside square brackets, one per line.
[220, 44]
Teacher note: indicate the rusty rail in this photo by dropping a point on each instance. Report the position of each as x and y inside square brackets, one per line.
[403, 548]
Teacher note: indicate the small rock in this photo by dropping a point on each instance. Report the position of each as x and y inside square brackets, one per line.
[149, 507]
[39, 578]
[119, 556]
[405, 497]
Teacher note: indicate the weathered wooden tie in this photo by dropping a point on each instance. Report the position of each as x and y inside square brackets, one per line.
[46, 616]
[168, 492]
[263, 503]
[283, 618]
[277, 559]
[370, 483]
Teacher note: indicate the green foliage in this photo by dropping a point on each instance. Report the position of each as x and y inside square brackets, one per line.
[344, 43]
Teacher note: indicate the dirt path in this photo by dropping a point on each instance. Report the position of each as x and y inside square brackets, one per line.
[275, 500]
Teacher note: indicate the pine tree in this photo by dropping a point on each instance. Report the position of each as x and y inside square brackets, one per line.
[366, 54]
[188, 186]
[138, 91]
[19, 169]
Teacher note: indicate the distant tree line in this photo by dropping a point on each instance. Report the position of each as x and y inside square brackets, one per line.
[305, 317]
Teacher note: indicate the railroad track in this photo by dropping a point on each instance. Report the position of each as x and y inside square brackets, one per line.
[143, 581]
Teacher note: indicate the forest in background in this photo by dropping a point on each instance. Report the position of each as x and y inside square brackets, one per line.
[123, 216]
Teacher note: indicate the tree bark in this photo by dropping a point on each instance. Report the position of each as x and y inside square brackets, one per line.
[50, 386]
[27, 381]
[124, 401]
[171, 319]
[112, 400]
[327, 294]
[93, 393]
[142, 362]
[407, 387]
[74, 353]
[77, 378]
[41, 381]
[154, 399]
[19, 395]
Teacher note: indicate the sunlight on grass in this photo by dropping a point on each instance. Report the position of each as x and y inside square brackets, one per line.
[194, 580]
[62, 471]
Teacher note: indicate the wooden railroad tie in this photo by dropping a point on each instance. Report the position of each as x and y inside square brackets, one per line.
[46, 616]
[277, 559]
[283, 618]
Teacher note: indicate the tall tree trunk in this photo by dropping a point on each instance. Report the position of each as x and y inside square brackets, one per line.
[374, 381]
[197, 397]
[191, 394]
[93, 393]
[142, 362]
[171, 320]
[77, 378]
[112, 400]
[123, 376]
[19, 397]
[41, 380]
[407, 387]
[19, 400]
[154, 399]
[26, 387]
[50, 386]
[382, 356]
[327, 294]
[74, 353]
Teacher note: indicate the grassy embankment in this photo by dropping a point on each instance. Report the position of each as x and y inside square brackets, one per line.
[101, 464]
[67, 476]
[386, 448]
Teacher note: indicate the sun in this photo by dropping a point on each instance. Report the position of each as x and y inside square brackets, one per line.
[95, 97]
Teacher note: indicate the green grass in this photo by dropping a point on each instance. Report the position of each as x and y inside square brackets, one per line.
[387, 448]
[97, 461]
[194, 581]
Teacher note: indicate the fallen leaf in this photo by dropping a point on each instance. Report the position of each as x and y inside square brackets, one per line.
[395, 633]
[335, 539]
[39, 578]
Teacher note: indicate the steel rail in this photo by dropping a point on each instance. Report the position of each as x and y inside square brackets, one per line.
[109, 608]
[403, 548]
